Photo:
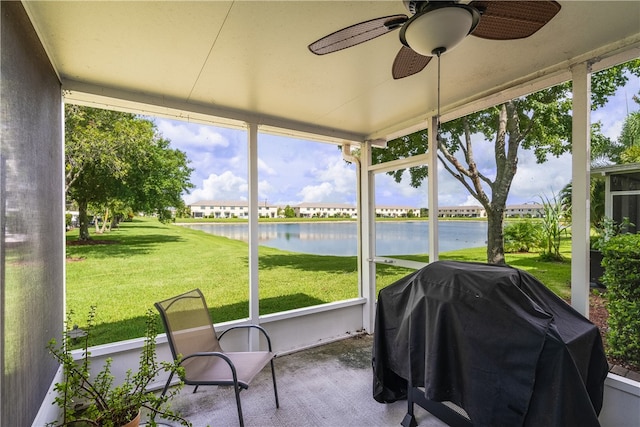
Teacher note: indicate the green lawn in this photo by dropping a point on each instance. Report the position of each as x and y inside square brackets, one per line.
[149, 261]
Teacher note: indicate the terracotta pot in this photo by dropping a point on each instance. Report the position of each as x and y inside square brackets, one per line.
[134, 422]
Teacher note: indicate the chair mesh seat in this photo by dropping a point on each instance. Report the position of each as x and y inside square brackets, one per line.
[207, 369]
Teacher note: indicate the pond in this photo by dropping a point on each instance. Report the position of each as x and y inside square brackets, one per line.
[340, 238]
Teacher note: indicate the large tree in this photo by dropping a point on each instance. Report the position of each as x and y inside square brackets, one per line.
[117, 162]
[540, 122]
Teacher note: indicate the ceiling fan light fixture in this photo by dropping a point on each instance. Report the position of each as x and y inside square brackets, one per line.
[439, 30]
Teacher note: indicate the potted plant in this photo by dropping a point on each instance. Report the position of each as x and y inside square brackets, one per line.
[94, 400]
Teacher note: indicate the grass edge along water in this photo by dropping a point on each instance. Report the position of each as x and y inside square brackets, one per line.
[144, 261]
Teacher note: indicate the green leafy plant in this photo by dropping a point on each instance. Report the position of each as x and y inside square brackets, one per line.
[606, 229]
[521, 236]
[622, 278]
[95, 400]
[553, 226]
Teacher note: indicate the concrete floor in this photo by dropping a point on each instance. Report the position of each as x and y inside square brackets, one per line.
[330, 385]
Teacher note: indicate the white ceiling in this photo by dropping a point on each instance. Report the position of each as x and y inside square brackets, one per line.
[230, 62]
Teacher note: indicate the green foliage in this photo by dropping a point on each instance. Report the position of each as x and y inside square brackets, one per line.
[540, 122]
[597, 195]
[115, 162]
[553, 227]
[606, 229]
[165, 216]
[621, 262]
[630, 155]
[97, 401]
[183, 212]
[289, 212]
[521, 236]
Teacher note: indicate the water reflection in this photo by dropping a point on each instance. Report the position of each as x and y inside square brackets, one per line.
[340, 238]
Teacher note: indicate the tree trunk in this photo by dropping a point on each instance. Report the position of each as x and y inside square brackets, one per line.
[495, 236]
[105, 221]
[83, 220]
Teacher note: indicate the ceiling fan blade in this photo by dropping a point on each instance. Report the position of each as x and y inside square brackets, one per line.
[509, 20]
[356, 34]
[408, 63]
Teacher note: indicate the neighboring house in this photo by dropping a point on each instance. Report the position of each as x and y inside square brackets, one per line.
[240, 209]
[229, 209]
[622, 193]
[528, 210]
[461, 212]
[396, 211]
[324, 210]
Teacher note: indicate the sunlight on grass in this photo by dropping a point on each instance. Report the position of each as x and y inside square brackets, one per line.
[145, 261]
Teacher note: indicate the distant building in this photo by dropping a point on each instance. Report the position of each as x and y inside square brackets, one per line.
[229, 209]
[461, 212]
[528, 210]
[240, 209]
[396, 211]
[325, 210]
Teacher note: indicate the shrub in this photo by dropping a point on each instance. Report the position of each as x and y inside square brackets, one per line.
[521, 236]
[622, 278]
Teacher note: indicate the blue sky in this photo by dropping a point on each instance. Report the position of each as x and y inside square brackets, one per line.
[292, 171]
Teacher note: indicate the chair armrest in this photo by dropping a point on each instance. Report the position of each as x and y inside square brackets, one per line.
[260, 328]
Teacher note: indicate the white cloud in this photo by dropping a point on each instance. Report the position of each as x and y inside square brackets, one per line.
[470, 201]
[263, 167]
[317, 193]
[189, 136]
[340, 174]
[390, 192]
[225, 186]
[264, 189]
[534, 180]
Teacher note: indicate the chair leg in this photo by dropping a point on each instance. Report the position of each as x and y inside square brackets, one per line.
[275, 387]
[195, 389]
[236, 388]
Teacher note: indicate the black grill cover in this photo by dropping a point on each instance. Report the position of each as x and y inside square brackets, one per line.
[491, 339]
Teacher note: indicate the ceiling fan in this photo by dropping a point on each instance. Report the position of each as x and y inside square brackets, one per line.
[436, 27]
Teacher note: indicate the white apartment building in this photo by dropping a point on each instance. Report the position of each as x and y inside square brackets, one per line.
[240, 209]
[461, 212]
[527, 210]
[325, 210]
[396, 211]
[229, 209]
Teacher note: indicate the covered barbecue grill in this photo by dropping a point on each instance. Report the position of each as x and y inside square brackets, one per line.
[491, 339]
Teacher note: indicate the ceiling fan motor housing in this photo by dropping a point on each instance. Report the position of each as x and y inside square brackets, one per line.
[438, 27]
